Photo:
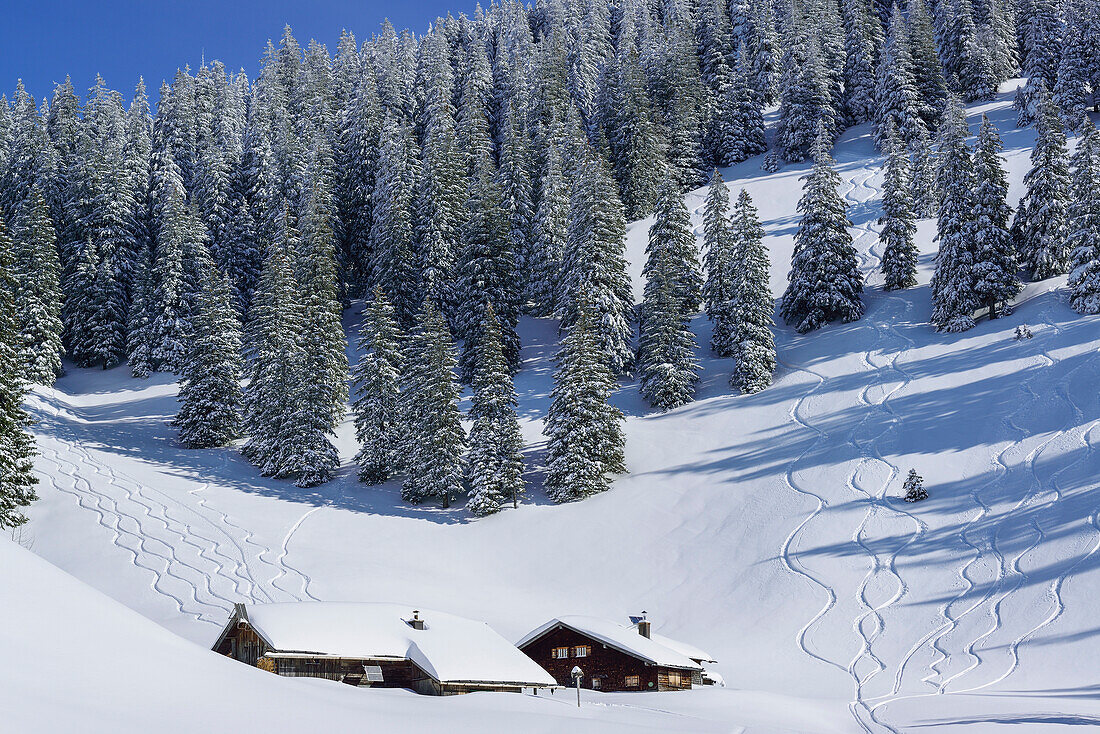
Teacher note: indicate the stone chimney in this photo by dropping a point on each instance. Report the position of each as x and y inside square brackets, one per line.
[643, 626]
[416, 622]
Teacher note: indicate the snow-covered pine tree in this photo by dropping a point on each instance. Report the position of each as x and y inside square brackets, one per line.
[825, 282]
[395, 268]
[210, 385]
[584, 433]
[37, 291]
[1084, 225]
[953, 297]
[897, 103]
[804, 103]
[995, 279]
[271, 396]
[494, 465]
[914, 487]
[1039, 228]
[763, 52]
[899, 252]
[969, 67]
[139, 340]
[744, 130]
[719, 265]
[752, 305]
[323, 371]
[634, 138]
[672, 233]
[595, 263]
[486, 273]
[1042, 43]
[443, 185]
[433, 439]
[517, 202]
[377, 379]
[666, 351]
[17, 478]
[550, 230]
[926, 195]
[179, 244]
[927, 67]
[861, 27]
[1071, 90]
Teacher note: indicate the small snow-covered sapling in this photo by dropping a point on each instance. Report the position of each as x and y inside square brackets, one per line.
[1023, 332]
[914, 487]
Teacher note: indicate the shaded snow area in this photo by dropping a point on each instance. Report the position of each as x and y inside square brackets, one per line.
[765, 529]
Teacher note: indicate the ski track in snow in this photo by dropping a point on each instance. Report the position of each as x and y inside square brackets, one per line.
[1035, 497]
[202, 563]
[1010, 576]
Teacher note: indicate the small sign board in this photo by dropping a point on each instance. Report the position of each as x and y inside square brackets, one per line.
[374, 673]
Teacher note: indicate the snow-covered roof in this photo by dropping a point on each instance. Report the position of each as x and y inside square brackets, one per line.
[625, 638]
[451, 649]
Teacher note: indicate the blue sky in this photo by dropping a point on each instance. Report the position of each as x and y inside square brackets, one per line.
[43, 40]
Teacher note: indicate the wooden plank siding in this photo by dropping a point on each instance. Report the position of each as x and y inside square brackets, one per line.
[612, 668]
[241, 642]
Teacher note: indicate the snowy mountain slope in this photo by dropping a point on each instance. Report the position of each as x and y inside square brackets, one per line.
[763, 528]
[107, 669]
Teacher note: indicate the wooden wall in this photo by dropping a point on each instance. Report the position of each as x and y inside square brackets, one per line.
[607, 664]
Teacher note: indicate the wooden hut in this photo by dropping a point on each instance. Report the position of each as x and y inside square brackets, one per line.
[615, 657]
[378, 645]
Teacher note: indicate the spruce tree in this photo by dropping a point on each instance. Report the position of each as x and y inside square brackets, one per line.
[745, 128]
[897, 103]
[377, 379]
[37, 291]
[805, 106]
[1039, 228]
[273, 336]
[899, 252]
[927, 66]
[860, 28]
[585, 440]
[494, 465]
[719, 266]
[1084, 225]
[486, 273]
[17, 478]
[433, 438]
[210, 389]
[953, 297]
[995, 279]
[595, 262]
[925, 193]
[550, 229]
[824, 283]
[179, 246]
[753, 345]
[139, 340]
[666, 351]
[395, 268]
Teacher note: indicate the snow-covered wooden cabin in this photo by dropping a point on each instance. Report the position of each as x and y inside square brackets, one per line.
[378, 645]
[616, 657]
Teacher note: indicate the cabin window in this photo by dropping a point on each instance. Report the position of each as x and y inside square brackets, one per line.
[674, 678]
[582, 651]
[632, 681]
[559, 652]
[596, 685]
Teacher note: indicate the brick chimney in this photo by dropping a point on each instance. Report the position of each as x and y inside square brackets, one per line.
[643, 626]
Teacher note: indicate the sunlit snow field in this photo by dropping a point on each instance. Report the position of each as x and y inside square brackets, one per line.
[765, 529]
